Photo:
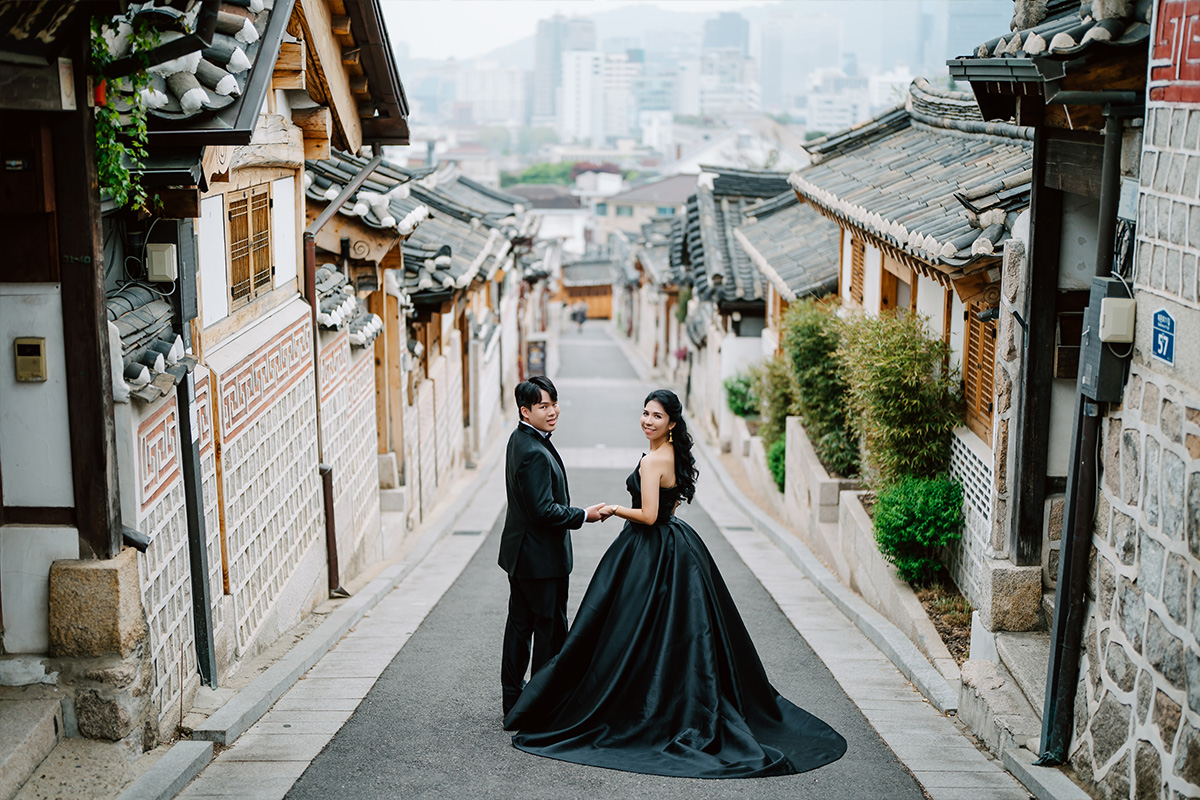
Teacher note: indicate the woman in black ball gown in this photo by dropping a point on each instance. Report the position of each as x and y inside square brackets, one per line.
[658, 674]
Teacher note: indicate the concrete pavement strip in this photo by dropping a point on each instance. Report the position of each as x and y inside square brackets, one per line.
[186, 759]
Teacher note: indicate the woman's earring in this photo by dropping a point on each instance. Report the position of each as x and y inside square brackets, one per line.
[670, 436]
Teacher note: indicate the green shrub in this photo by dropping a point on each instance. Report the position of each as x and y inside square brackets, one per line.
[903, 399]
[739, 393]
[915, 517]
[774, 385]
[811, 334]
[777, 459]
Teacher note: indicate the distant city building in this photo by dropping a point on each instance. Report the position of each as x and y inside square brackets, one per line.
[729, 29]
[794, 44]
[556, 36]
[581, 117]
[630, 209]
[658, 131]
[495, 94]
[620, 110]
[728, 82]
[837, 101]
[890, 88]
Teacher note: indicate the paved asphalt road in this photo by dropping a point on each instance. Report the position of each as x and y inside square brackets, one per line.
[431, 726]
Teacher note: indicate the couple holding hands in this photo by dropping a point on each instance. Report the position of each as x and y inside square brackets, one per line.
[657, 673]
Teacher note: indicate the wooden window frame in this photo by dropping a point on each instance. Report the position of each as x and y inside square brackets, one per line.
[858, 271]
[260, 253]
[979, 370]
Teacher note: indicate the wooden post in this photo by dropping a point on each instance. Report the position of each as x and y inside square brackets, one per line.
[393, 332]
[85, 324]
[376, 304]
[1032, 430]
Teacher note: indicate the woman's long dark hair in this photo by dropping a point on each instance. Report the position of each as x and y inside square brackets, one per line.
[685, 463]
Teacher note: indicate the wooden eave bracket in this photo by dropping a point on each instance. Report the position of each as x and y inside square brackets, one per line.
[290, 67]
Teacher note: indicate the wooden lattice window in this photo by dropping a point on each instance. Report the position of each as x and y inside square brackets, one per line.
[251, 270]
[858, 270]
[979, 365]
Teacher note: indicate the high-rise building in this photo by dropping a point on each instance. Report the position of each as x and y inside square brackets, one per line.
[795, 42]
[620, 73]
[556, 36]
[729, 29]
[728, 82]
[581, 117]
[495, 94]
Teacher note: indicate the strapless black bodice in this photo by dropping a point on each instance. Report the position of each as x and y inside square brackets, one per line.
[658, 674]
[667, 498]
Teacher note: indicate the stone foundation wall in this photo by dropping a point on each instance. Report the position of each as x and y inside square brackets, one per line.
[1137, 707]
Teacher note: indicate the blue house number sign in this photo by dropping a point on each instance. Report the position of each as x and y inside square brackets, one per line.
[1164, 336]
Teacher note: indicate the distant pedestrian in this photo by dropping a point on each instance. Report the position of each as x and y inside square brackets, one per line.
[580, 314]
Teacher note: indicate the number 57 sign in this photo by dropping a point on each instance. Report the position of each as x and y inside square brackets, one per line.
[1164, 336]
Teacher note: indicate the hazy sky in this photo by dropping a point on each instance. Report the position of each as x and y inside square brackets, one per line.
[469, 28]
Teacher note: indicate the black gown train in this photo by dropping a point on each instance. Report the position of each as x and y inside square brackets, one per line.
[658, 674]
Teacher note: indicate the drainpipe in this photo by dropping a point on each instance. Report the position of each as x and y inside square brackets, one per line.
[310, 293]
[1070, 602]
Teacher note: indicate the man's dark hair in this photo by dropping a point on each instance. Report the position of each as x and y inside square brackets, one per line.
[529, 392]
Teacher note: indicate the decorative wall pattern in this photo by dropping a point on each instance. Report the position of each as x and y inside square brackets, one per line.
[258, 380]
[269, 466]
[158, 453]
[427, 437]
[165, 570]
[208, 485]
[363, 463]
[966, 557]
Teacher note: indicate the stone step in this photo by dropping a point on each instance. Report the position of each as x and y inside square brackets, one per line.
[1048, 607]
[1026, 656]
[31, 728]
[993, 707]
[393, 500]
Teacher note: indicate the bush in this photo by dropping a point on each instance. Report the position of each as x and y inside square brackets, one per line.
[777, 459]
[774, 385]
[811, 334]
[903, 399]
[739, 392]
[915, 517]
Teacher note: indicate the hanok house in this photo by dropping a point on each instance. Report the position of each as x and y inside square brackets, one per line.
[657, 334]
[796, 249]
[589, 282]
[1103, 467]
[191, 429]
[727, 312]
[430, 250]
[926, 195]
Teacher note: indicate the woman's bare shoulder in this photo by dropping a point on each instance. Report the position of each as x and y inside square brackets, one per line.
[661, 460]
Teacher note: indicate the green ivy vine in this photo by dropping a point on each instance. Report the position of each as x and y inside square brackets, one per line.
[121, 134]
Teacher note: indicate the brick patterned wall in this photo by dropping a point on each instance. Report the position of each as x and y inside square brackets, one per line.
[164, 568]
[362, 463]
[426, 451]
[1137, 707]
[272, 490]
[443, 418]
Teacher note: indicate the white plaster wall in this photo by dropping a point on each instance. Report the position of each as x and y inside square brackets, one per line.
[872, 275]
[34, 435]
[931, 303]
[845, 266]
[285, 242]
[211, 252]
[1077, 255]
[26, 553]
[956, 331]
[1062, 422]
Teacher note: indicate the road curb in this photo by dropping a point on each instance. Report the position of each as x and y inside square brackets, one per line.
[187, 758]
[1045, 783]
[175, 770]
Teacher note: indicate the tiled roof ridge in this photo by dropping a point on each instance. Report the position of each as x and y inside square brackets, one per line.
[1067, 28]
[935, 106]
[772, 205]
[859, 134]
[496, 194]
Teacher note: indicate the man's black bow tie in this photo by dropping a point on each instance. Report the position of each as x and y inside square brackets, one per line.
[548, 435]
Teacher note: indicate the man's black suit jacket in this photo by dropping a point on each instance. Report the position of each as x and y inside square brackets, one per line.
[535, 542]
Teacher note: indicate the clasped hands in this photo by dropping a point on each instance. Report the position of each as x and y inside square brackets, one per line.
[599, 512]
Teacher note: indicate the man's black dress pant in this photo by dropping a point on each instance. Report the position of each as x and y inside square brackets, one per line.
[537, 613]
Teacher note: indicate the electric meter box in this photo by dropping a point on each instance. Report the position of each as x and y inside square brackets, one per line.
[1116, 319]
[1101, 368]
[162, 262]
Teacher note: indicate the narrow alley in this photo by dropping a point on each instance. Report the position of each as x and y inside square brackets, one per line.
[408, 704]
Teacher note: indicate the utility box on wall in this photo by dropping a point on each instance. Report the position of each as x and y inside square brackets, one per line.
[1102, 366]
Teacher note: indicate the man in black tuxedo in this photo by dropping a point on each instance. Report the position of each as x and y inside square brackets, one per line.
[535, 546]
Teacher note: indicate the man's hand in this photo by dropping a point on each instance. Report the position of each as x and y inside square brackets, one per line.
[593, 513]
[607, 512]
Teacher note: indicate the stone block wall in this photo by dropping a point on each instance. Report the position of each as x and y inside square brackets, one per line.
[1137, 706]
